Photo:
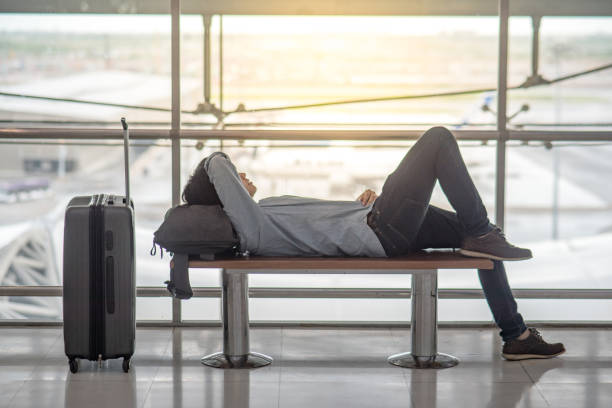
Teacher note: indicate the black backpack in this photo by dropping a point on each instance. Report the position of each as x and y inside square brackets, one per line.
[202, 231]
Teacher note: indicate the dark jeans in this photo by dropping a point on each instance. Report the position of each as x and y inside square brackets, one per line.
[404, 221]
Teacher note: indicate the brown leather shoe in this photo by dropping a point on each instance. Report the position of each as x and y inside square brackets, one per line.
[493, 245]
[533, 346]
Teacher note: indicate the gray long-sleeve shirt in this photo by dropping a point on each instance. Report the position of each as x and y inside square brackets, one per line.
[289, 225]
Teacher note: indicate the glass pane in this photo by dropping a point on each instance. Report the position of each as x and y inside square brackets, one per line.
[281, 61]
[100, 59]
[44, 308]
[567, 46]
[201, 309]
[559, 206]
[41, 308]
[37, 179]
[330, 309]
[577, 310]
[154, 308]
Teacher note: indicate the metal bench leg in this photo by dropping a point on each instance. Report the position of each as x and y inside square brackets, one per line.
[424, 326]
[235, 306]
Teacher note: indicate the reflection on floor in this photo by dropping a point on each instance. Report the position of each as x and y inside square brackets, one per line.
[312, 368]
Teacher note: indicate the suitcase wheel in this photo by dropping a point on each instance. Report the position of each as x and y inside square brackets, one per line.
[126, 364]
[74, 365]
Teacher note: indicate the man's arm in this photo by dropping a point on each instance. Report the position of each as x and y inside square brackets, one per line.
[244, 213]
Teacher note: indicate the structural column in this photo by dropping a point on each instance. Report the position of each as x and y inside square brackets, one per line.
[175, 130]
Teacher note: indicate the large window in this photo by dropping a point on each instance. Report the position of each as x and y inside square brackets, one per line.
[281, 72]
[101, 59]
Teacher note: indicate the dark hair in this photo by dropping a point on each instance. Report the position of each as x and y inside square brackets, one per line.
[199, 189]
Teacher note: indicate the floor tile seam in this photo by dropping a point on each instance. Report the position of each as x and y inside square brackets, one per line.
[406, 379]
[278, 393]
[10, 401]
[413, 403]
[391, 343]
[280, 368]
[569, 382]
[337, 356]
[343, 381]
[169, 340]
[394, 335]
[146, 397]
[168, 345]
[471, 381]
[396, 381]
[88, 380]
[365, 372]
[541, 393]
[44, 357]
[526, 372]
[404, 371]
[145, 400]
[217, 380]
[108, 383]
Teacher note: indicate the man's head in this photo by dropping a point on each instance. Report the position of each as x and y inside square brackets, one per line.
[199, 189]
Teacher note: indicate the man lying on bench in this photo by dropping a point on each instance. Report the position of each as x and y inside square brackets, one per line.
[395, 223]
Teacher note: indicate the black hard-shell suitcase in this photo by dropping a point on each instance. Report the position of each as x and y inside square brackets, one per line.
[99, 276]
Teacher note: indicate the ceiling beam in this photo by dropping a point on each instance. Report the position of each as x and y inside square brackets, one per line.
[316, 7]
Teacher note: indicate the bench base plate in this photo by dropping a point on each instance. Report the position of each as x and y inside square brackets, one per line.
[440, 360]
[251, 360]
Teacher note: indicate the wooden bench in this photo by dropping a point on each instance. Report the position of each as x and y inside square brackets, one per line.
[423, 267]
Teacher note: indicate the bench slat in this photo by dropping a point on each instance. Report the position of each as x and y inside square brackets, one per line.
[430, 260]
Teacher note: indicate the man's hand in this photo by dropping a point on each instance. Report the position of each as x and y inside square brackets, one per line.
[367, 197]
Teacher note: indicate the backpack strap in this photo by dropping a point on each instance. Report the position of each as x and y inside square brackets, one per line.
[179, 285]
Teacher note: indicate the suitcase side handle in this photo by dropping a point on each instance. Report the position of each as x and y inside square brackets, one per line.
[110, 285]
[126, 153]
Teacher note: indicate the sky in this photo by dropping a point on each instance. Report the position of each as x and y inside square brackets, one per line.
[136, 24]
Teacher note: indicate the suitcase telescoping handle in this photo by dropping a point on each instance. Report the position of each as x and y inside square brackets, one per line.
[126, 145]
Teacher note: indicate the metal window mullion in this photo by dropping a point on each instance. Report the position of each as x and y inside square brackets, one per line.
[300, 135]
[597, 324]
[535, 45]
[329, 293]
[221, 63]
[207, 21]
[502, 78]
[175, 131]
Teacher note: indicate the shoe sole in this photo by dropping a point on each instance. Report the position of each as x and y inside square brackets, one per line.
[475, 254]
[517, 357]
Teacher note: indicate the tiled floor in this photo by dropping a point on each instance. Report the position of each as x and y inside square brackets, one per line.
[312, 368]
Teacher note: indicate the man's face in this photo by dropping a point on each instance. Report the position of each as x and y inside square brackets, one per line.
[248, 184]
